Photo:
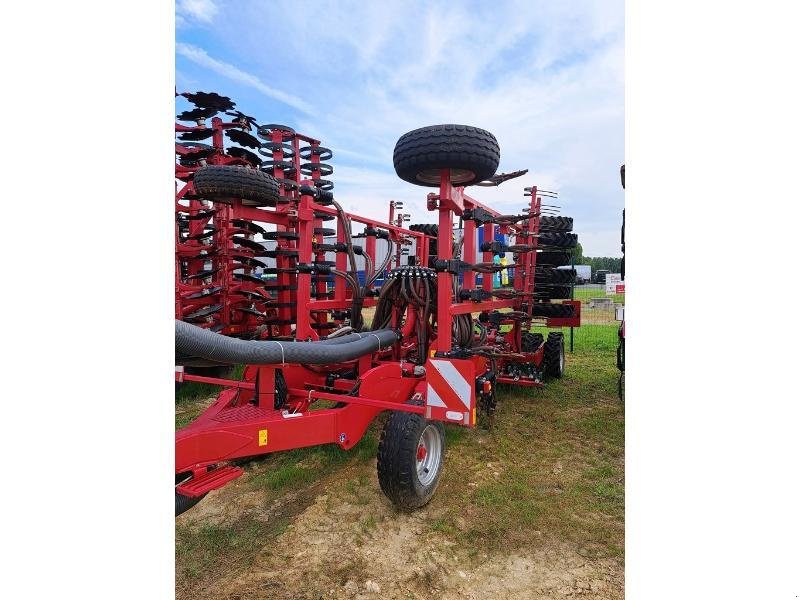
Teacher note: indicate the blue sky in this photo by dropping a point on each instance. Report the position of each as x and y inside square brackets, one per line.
[546, 78]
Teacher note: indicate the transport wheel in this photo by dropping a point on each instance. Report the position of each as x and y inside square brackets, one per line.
[554, 355]
[531, 341]
[555, 224]
[221, 182]
[553, 311]
[184, 503]
[471, 154]
[410, 459]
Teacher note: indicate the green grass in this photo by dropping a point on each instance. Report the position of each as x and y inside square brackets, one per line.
[198, 550]
[192, 398]
[586, 294]
[190, 391]
[552, 467]
[557, 465]
[587, 337]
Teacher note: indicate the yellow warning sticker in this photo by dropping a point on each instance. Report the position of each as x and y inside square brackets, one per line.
[473, 416]
[262, 437]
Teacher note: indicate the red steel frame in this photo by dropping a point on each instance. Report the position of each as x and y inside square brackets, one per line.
[243, 421]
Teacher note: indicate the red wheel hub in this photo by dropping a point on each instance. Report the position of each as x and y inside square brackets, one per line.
[421, 452]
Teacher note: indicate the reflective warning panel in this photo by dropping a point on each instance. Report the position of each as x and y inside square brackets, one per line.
[451, 390]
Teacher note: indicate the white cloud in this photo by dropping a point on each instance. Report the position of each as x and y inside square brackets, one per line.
[201, 57]
[546, 78]
[199, 10]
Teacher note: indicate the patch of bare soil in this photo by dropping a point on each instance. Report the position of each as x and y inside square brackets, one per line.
[347, 541]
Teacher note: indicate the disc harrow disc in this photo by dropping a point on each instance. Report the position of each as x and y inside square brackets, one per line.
[238, 152]
[243, 138]
[196, 114]
[242, 118]
[194, 150]
[199, 134]
[210, 100]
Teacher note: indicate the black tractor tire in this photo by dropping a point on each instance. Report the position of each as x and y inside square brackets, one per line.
[557, 292]
[184, 503]
[397, 460]
[222, 182]
[558, 239]
[555, 224]
[471, 154]
[554, 355]
[553, 259]
[553, 311]
[426, 228]
[531, 341]
[548, 276]
[543, 275]
[563, 276]
[432, 231]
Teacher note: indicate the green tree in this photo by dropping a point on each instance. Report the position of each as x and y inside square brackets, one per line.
[577, 253]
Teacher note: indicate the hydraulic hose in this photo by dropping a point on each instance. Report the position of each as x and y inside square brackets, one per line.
[191, 340]
[194, 361]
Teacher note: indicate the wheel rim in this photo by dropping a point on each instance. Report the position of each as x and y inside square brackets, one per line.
[561, 360]
[435, 176]
[429, 455]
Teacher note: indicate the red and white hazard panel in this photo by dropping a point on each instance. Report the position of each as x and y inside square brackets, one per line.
[451, 390]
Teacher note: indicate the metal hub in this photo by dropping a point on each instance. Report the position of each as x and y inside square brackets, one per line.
[456, 176]
[429, 455]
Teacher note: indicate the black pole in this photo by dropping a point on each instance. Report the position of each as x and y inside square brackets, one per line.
[572, 297]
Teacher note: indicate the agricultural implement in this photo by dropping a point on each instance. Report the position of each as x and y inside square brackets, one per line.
[339, 317]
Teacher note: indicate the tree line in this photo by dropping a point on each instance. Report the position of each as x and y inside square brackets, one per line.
[611, 264]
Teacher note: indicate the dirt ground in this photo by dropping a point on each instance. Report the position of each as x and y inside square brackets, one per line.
[330, 550]
[539, 515]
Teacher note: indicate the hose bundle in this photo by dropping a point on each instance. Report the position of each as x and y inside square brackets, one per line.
[193, 341]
